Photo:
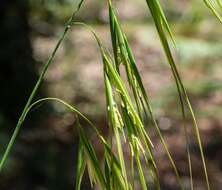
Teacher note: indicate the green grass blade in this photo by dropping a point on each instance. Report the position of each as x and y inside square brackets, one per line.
[95, 173]
[96, 176]
[210, 5]
[135, 80]
[115, 168]
[36, 87]
[116, 81]
[219, 3]
[138, 162]
[116, 124]
[81, 164]
[180, 87]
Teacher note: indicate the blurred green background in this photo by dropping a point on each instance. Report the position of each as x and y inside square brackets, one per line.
[45, 153]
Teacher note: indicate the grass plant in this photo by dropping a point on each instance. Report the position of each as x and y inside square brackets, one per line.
[127, 115]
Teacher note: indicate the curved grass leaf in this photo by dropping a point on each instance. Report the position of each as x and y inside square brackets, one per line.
[116, 123]
[36, 87]
[81, 164]
[95, 173]
[86, 156]
[180, 87]
[134, 79]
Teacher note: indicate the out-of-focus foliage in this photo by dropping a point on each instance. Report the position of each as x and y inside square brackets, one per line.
[76, 77]
[58, 11]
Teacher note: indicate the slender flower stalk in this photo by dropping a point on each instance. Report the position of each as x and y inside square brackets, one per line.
[36, 87]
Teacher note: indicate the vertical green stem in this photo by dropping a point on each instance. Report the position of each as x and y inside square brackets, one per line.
[36, 87]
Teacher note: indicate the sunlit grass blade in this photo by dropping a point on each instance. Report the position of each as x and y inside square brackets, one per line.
[115, 79]
[156, 5]
[94, 170]
[180, 87]
[145, 98]
[116, 123]
[113, 35]
[134, 78]
[186, 135]
[211, 5]
[113, 166]
[87, 154]
[137, 127]
[137, 149]
[219, 3]
[81, 164]
[131, 133]
[113, 111]
[113, 114]
[95, 173]
[115, 169]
